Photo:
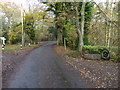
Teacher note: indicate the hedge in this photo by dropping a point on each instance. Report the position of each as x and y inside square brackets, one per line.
[88, 49]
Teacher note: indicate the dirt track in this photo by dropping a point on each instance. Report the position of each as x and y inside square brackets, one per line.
[43, 68]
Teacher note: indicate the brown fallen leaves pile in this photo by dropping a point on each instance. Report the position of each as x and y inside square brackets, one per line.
[98, 74]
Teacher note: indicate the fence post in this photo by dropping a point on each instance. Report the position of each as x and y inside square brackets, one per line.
[65, 43]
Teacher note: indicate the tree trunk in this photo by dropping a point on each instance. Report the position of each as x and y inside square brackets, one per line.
[59, 36]
[23, 41]
[82, 17]
[59, 33]
[80, 30]
[106, 31]
[110, 27]
[82, 21]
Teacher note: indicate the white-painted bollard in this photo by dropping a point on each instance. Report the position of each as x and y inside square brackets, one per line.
[3, 46]
[20, 46]
[29, 44]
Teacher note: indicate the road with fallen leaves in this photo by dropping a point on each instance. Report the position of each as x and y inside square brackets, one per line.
[43, 68]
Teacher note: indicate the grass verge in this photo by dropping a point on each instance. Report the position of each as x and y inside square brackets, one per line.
[17, 47]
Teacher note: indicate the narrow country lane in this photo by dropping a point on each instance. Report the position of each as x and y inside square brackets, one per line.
[43, 68]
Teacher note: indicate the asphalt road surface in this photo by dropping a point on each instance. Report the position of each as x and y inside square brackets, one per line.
[43, 68]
